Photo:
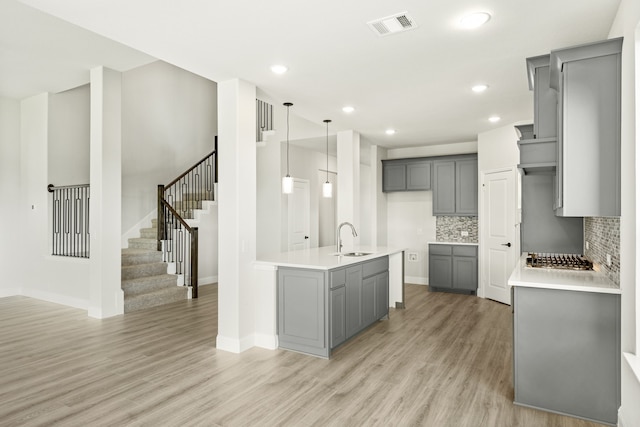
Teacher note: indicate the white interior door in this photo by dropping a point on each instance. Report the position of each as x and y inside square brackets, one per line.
[299, 215]
[499, 243]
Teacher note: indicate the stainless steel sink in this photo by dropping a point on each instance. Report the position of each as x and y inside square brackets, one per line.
[351, 253]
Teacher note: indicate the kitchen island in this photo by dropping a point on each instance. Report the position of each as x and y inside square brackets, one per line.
[566, 342]
[322, 299]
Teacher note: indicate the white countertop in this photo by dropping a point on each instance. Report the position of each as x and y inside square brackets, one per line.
[452, 243]
[569, 280]
[323, 258]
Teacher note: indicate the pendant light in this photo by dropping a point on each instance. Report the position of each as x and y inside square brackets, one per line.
[287, 181]
[327, 190]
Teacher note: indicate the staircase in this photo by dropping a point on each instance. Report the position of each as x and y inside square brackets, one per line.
[145, 281]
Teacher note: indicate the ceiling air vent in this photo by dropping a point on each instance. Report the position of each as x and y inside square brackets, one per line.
[392, 24]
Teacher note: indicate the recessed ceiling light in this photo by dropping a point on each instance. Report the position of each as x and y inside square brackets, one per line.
[494, 119]
[474, 20]
[390, 131]
[279, 69]
[348, 109]
[480, 88]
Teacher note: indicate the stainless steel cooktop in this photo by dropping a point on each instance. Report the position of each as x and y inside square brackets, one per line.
[559, 261]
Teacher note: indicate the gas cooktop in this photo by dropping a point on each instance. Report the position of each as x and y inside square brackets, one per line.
[559, 261]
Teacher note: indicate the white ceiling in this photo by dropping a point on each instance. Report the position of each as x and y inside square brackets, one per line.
[417, 82]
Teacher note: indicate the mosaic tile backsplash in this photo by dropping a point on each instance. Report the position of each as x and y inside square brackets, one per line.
[603, 235]
[450, 228]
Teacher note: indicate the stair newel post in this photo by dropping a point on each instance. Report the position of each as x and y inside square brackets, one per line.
[194, 262]
[161, 229]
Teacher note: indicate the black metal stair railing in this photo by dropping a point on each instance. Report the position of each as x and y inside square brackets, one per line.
[177, 202]
[70, 220]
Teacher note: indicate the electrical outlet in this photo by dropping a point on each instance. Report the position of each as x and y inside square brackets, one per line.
[413, 256]
[464, 233]
[586, 245]
[609, 260]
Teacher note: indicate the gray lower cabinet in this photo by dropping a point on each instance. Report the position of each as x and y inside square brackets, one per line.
[566, 352]
[319, 310]
[453, 267]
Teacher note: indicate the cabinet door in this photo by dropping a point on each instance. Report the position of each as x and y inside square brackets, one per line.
[419, 176]
[394, 177]
[338, 316]
[440, 271]
[545, 119]
[354, 300]
[301, 310]
[368, 301]
[444, 177]
[465, 273]
[382, 295]
[467, 187]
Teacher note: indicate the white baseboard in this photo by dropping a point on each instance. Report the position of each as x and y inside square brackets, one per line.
[56, 298]
[234, 345]
[416, 280]
[209, 280]
[270, 342]
[10, 292]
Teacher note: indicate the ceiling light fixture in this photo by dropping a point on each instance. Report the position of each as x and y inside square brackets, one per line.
[480, 88]
[494, 119]
[390, 131]
[348, 109]
[287, 181]
[327, 190]
[279, 69]
[474, 20]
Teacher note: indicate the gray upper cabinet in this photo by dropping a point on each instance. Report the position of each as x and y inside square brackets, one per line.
[444, 187]
[455, 186]
[406, 175]
[545, 99]
[587, 79]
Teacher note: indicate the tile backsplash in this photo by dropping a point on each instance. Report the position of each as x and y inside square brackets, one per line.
[603, 235]
[450, 228]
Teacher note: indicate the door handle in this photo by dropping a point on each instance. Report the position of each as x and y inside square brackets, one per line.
[306, 237]
[506, 244]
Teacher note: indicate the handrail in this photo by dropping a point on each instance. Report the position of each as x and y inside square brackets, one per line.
[189, 189]
[192, 168]
[51, 188]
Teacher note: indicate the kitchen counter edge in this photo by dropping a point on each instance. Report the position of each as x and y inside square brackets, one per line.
[569, 280]
[322, 258]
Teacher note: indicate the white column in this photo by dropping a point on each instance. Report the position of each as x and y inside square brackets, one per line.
[236, 215]
[378, 198]
[105, 294]
[349, 183]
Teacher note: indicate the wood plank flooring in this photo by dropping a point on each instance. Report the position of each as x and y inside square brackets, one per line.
[444, 361]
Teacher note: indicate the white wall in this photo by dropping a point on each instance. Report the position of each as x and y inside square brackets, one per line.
[169, 121]
[60, 280]
[626, 24]
[10, 190]
[69, 137]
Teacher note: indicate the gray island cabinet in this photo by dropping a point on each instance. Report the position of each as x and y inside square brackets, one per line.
[320, 309]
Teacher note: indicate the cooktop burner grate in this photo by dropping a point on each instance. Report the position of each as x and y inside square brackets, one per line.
[559, 261]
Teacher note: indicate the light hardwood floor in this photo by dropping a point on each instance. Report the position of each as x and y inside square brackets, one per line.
[444, 361]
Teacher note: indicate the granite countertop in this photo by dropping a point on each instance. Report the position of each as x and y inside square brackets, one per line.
[323, 258]
[452, 243]
[570, 280]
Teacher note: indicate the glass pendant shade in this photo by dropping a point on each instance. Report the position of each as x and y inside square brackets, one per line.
[287, 185]
[327, 190]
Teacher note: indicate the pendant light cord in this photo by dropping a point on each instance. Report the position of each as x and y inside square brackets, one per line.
[327, 151]
[287, 140]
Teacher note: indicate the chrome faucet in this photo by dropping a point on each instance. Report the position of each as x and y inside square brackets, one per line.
[339, 240]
